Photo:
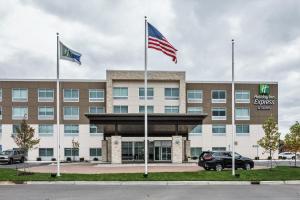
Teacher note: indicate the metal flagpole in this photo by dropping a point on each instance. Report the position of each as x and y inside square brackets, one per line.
[57, 110]
[146, 105]
[232, 113]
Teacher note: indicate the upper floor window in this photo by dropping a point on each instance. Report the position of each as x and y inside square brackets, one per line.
[95, 129]
[45, 95]
[19, 113]
[46, 113]
[219, 129]
[195, 110]
[149, 110]
[71, 129]
[172, 93]
[71, 95]
[197, 129]
[194, 96]
[242, 96]
[45, 129]
[218, 96]
[120, 93]
[96, 109]
[150, 93]
[19, 94]
[242, 114]
[0, 112]
[71, 113]
[120, 109]
[0, 94]
[0, 129]
[171, 109]
[218, 114]
[96, 95]
[242, 129]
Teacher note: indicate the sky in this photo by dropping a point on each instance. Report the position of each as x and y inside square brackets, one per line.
[110, 35]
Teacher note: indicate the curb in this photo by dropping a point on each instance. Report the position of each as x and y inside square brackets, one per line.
[165, 183]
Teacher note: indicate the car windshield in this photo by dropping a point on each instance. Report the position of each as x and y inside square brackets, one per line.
[6, 152]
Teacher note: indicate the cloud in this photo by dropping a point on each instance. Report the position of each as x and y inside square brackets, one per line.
[110, 35]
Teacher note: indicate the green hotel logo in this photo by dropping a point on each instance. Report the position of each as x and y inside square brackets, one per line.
[264, 89]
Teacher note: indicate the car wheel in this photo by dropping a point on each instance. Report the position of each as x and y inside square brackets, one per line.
[11, 161]
[247, 166]
[22, 160]
[219, 167]
[206, 168]
[293, 158]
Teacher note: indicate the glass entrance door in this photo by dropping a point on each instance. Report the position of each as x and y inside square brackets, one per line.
[133, 151]
[162, 150]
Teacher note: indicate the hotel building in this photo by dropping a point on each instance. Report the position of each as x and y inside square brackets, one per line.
[105, 117]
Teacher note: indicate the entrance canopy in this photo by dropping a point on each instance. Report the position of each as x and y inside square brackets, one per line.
[159, 124]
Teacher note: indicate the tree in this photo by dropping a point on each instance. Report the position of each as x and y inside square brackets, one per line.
[25, 137]
[292, 140]
[270, 142]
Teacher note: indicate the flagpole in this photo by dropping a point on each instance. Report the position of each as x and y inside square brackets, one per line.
[233, 111]
[57, 109]
[146, 105]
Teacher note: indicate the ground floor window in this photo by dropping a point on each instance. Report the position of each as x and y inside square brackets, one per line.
[71, 151]
[45, 152]
[195, 152]
[218, 149]
[95, 152]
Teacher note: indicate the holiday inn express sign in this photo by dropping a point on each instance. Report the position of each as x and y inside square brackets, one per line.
[264, 101]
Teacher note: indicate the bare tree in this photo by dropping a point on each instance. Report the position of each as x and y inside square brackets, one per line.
[292, 140]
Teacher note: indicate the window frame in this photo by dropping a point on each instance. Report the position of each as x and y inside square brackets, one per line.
[47, 155]
[1, 93]
[242, 133]
[96, 107]
[46, 117]
[101, 99]
[45, 99]
[195, 100]
[120, 97]
[99, 130]
[171, 107]
[70, 117]
[73, 133]
[198, 133]
[71, 99]
[95, 148]
[242, 92]
[218, 126]
[194, 112]
[41, 134]
[195, 148]
[218, 100]
[242, 117]
[19, 117]
[14, 99]
[150, 97]
[1, 113]
[172, 97]
[218, 117]
[120, 106]
[143, 107]
[72, 150]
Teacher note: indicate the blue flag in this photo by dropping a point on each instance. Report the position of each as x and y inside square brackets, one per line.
[69, 54]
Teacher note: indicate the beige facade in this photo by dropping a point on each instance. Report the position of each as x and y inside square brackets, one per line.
[93, 141]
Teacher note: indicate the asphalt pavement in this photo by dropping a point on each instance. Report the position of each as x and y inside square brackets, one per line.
[139, 192]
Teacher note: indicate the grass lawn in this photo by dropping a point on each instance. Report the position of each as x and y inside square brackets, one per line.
[278, 173]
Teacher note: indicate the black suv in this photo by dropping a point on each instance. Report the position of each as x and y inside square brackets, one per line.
[218, 160]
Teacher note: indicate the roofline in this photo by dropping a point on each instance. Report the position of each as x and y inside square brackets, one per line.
[53, 80]
[244, 82]
[113, 70]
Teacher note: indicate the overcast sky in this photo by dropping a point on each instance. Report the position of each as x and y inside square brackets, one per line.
[110, 35]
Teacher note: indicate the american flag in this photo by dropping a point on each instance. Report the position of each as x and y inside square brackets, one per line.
[157, 41]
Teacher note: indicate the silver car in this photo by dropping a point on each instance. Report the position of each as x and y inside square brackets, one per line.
[10, 156]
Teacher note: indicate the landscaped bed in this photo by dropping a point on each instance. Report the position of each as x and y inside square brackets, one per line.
[278, 173]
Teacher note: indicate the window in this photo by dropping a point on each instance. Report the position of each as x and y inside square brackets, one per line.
[120, 92]
[194, 96]
[242, 114]
[19, 94]
[218, 114]
[16, 127]
[96, 109]
[0, 112]
[218, 149]
[171, 109]
[0, 130]
[71, 113]
[71, 152]
[0, 94]
[95, 152]
[120, 109]
[218, 96]
[197, 129]
[95, 129]
[195, 110]
[172, 93]
[218, 130]
[242, 129]
[71, 95]
[45, 95]
[45, 129]
[71, 130]
[45, 152]
[46, 113]
[242, 96]
[19, 113]
[195, 152]
[149, 110]
[96, 95]
[150, 93]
